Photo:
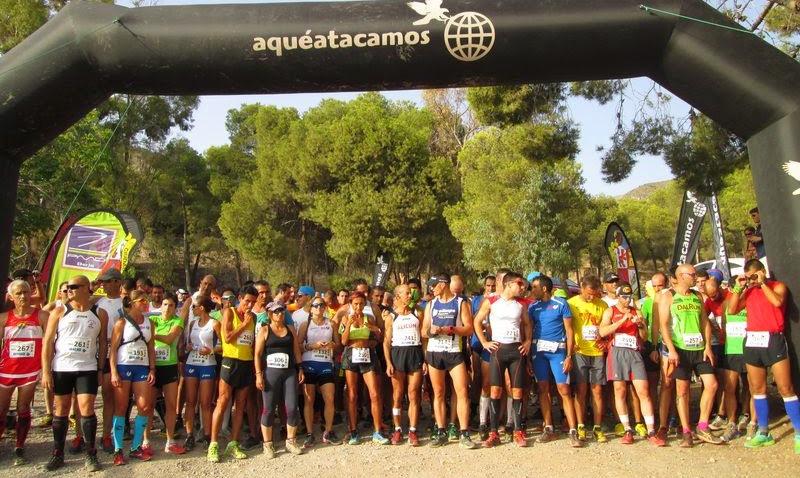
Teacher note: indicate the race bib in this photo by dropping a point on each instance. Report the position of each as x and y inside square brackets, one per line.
[163, 353]
[245, 338]
[324, 355]
[278, 360]
[79, 345]
[546, 346]
[21, 349]
[693, 340]
[509, 335]
[136, 353]
[590, 332]
[406, 338]
[757, 339]
[361, 355]
[736, 329]
[625, 340]
[439, 343]
[196, 359]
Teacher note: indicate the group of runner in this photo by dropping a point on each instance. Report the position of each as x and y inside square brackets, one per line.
[205, 357]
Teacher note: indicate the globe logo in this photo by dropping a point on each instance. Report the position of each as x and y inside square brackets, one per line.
[469, 36]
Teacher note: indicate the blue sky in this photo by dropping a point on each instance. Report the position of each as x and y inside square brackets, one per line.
[597, 122]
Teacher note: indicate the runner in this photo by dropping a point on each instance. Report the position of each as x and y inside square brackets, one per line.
[237, 373]
[446, 320]
[46, 421]
[300, 316]
[553, 337]
[404, 362]
[278, 344]
[168, 330]
[133, 369]
[111, 303]
[765, 347]
[610, 281]
[200, 373]
[686, 333]
[481, 385]
[318, 345]
[650, 354]
[21, 361]
[667, 407]
[715, 301]
[625, 363]
[71, 360]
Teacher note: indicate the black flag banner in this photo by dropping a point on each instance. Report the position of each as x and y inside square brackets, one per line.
[382, 265]
[693, 211]
[720, 252]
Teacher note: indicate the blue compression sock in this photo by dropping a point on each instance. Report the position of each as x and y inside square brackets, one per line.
[793, 410]
[138, 431]
[118, 425]
[762, 412]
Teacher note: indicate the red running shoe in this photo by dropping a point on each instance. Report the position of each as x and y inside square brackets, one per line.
[412, 439]
[119, 458]
[493, 440]
[519, 439]
[656, 440]
[627, 438]
[397, 437]
[140, 454]
[175, 449]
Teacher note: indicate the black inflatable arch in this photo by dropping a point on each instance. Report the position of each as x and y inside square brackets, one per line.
[90, 50]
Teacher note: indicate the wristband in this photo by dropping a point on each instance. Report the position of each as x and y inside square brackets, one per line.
[738, 289]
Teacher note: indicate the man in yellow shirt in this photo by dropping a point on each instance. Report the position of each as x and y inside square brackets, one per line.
[588, 364]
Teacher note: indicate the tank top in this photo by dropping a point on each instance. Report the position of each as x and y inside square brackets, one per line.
[761, 315]
[505, 318]
[357, 333]
[22, 346]
[279, 351]
[77, 339]
[242, 348]
[201, 336]
[133, 347]
[405, 330]
[319, 333]
[735, 332]
[445, 314]
[113, 308]
[627, 335]
[685, 311]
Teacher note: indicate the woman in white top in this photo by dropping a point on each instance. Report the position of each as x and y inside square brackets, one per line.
[133, 365]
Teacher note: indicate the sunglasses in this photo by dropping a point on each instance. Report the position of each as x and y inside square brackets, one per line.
[300, 296]
[228, 297]
[75, 286]
[64, 291]
[318, 304]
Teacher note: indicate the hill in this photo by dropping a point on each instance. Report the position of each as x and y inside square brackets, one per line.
[645, 190]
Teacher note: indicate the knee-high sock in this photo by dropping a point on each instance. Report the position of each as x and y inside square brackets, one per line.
[516, 406]
[118, 425]
[89, 428]
[509, 410]
[494, 413]
[483, 407]
[60, 428]
[762, 412]
[23, 427]
[793, 410]
[138, 431]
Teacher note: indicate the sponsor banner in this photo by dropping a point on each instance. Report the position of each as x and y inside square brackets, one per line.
[621, 255]
[382, 265]
[693, 211]
[720, 251]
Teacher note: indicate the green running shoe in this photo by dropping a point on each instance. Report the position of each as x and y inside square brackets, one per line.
[452, 432]
[233, 450]
[213, 453]
[761, 439]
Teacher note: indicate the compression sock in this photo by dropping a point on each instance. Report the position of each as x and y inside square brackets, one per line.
[89, 428]
[138, 431]
[494, 413]
[793, 410]
[484, 409]
[516, 405]
[509, 412]
[762, 412]
[118, 429]
[23, 427]
[60, 428]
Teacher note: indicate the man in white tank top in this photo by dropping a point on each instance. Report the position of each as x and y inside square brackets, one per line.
[111, 303]
[71, 362]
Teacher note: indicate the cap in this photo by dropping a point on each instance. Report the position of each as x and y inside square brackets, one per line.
[610, 277]
[716, 274]
[306, 290]
[110, 274]
[533, 275]
[624, 289]
[181, 291]
[24, 273]
[275, 306]
[436, 279]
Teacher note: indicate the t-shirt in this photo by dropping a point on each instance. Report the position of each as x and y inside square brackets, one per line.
[548, 319]
[299, 317]
[586, 317]
[762, 316]
[647, 313]
[166, 354]
[715, 308]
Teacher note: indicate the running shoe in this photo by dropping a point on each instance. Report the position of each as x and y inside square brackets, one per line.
[687, 441]
[759, 440]
[413, 440]
[119, 458]
[744, 419]
[205, 441]
[672, 427]
[330, 438]
[189, 443]
[293, 448]
[174, 449]
[718, 423]
[233, 450]
[653, 438]
[45, 421]
[438, 440]
[708, 437]
[483, 432]
[250, 442]
[597, 431]
[641, 430]
[397, 437]
[547, 435]
[582, 432]
[56, 462]
[354, 439]
[619, 429]
[108, 445]
[19, 457]
[140, 454]
[797, 444]
[466, 442]
[662, 434]
[147, 448]
[77, 446]
[574, 441]
[269, 450]
[627, 437]
[309, 441]
[379, 439]
[492, 440]
[752, 429]
[91, 463]
[508, 432]
[731, 433]
[213, 453]
[452, 432]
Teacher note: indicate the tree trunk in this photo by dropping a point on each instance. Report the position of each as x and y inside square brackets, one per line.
[196, 266]
[238, 262]
[186, 277]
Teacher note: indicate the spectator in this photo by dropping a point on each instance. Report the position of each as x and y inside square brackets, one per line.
[749, 248]
[757, 238]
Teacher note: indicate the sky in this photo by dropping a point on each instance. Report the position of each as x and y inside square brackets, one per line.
[597, 123]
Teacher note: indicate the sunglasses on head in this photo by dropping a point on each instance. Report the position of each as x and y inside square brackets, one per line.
[228, 297]
[626, 297]
[75, 286]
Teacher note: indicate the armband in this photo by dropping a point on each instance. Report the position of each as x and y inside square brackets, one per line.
[738, 289]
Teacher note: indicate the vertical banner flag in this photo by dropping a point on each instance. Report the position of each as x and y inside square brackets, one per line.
[693, 211]
[87, 244]
[621, 255]
[720, 252]
[382, 265]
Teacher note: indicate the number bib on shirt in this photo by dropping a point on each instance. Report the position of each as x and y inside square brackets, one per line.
[163, 353]
[79, 345]
[245, 338]
[736, 329]
[625, 340]
[590, 332]
[693, 340]
[546, 346]
[442, 343]
[506, 334]
[22, 349]
[278, 360]
[361, 355]
[757, 339]
[137, 353]
[196, 359]
[322, 354]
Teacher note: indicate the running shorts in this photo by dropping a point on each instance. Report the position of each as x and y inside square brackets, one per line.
[166, 374]
[200, 372]
[237, 373]
[588, 369]
[691, 361]
[444, 360]
[507, 357]
[407, 359]
[133, 373]
[624, 364]
[775, 351]
[547, 364]
[82, 383]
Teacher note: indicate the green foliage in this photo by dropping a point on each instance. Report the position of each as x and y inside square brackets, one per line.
[515, 104]
[18, 19]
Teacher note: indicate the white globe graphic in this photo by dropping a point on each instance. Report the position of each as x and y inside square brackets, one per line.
[699, 209]
[469, 36]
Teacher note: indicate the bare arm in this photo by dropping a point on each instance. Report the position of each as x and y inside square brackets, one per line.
[174, 333]
[464, 325]
[606, 327]
[259, 350]
[48, 345]
[387, 339]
